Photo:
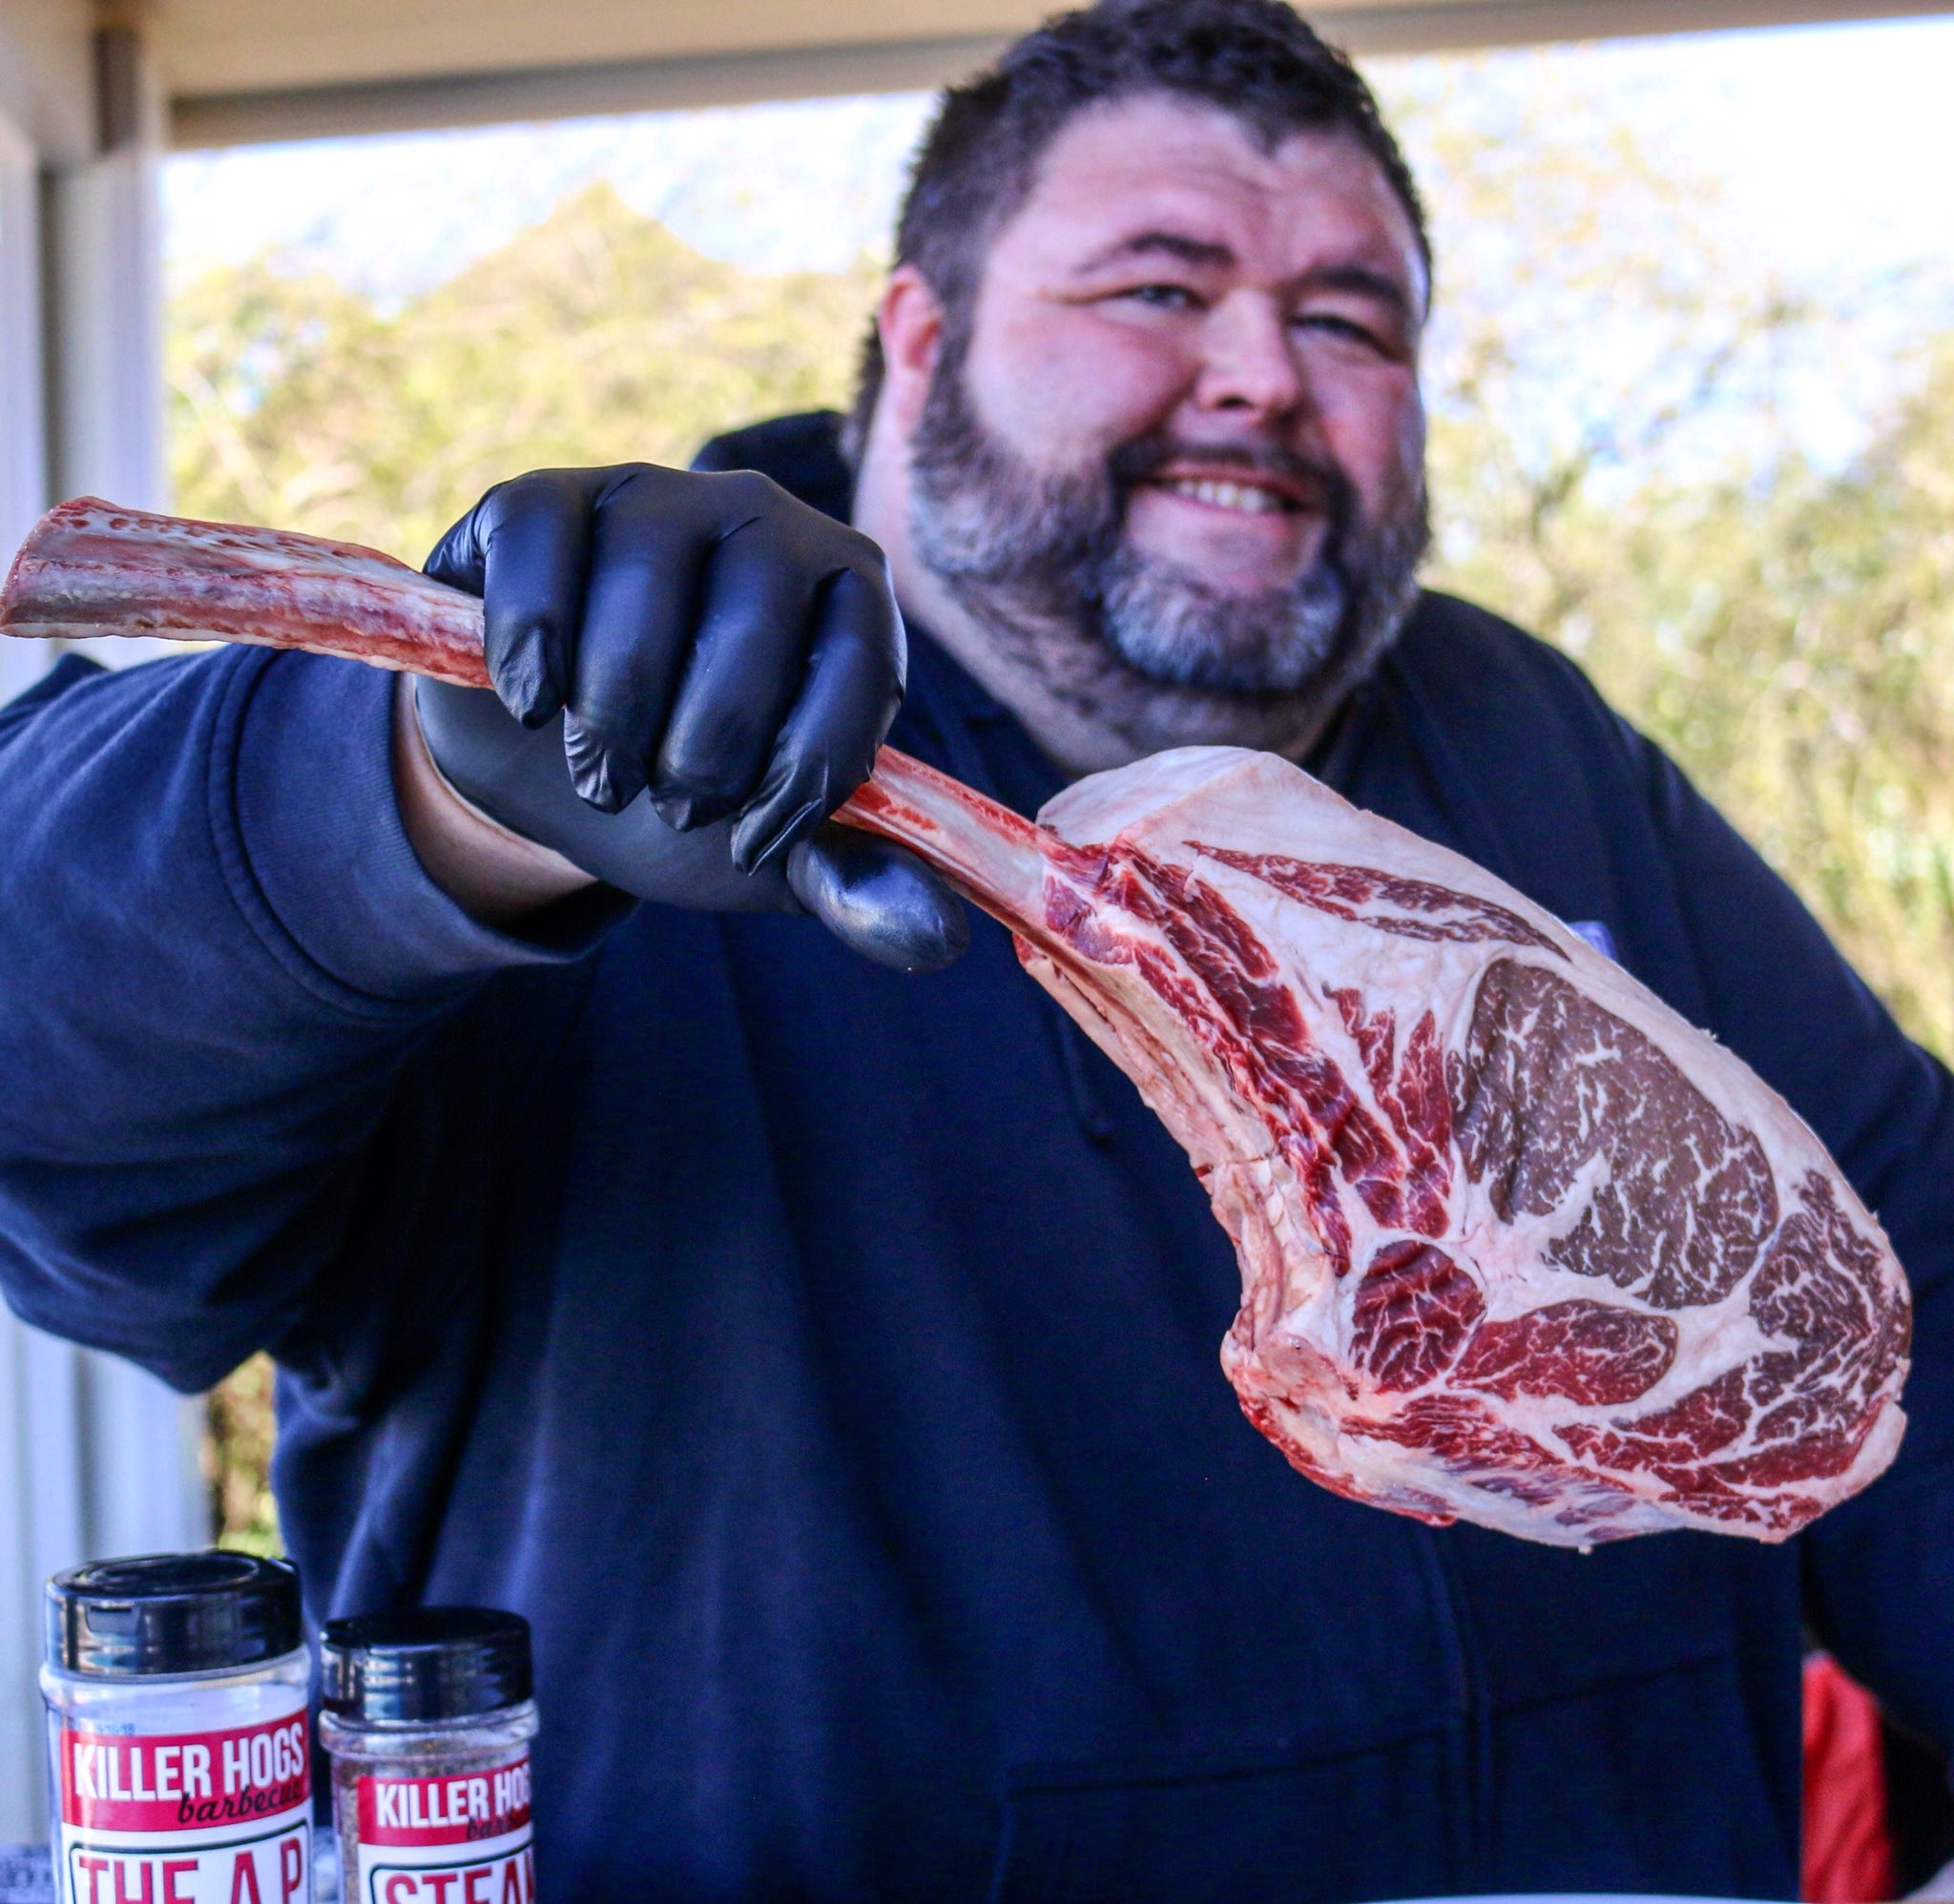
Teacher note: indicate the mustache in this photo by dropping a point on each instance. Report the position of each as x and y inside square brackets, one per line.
[1319, 482]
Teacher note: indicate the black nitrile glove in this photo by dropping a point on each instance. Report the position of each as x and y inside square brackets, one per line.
[713, 645]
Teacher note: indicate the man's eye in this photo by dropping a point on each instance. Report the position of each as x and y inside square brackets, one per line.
[1332, 325]
[1163, 297]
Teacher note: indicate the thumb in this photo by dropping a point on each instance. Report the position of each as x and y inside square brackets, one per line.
[458, 557]
[878, 900]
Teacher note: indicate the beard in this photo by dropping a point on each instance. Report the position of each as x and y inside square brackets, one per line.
[1045, 559]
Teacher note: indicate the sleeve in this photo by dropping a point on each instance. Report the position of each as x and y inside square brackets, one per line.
[219, 954]
[1879, 1571]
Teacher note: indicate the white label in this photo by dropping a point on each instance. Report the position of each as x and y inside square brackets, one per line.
[215, 1818]
[454, 1838]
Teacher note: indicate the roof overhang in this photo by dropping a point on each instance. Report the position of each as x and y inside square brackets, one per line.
[241, 71]
[238, 72]
[47, 79]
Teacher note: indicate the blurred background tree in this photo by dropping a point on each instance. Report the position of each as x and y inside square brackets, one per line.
[1619, 463]
[593, 337]
[236, 1459]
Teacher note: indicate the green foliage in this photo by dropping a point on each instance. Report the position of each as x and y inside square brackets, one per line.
[595, 336]
[1610, 456]
[1614, 465]
[237, 1460]
[1791, 647]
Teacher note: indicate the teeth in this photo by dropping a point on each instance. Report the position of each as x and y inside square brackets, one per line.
[1248, 498]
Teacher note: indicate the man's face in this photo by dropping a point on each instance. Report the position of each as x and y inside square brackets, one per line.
[1185, 409]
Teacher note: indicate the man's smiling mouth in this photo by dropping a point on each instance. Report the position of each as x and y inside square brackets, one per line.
[1253, 499]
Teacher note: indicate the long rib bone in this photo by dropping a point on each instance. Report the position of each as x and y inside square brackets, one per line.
[90, 569]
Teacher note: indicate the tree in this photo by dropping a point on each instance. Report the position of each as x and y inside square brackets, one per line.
[1616, 464]
[594, 337]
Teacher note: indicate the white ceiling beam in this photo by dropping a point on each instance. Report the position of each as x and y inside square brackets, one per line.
[225, 47]
[572, 91]
[409, 99]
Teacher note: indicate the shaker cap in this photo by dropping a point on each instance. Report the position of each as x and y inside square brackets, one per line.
[172, 1613]
[424, 1662]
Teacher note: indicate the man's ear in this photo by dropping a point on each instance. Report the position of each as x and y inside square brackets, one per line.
[909, 320]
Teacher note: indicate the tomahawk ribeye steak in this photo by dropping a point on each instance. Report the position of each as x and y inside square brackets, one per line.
[1518, 1246]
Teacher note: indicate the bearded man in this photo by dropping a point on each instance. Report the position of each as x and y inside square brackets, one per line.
[821, 1356]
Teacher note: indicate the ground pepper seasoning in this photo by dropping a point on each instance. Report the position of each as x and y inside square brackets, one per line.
[177, 1735]
[429, 1715]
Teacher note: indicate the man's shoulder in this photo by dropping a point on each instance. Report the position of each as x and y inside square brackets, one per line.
[1499, 744]
[1491, 687]
[801, 452]
[1450, 643]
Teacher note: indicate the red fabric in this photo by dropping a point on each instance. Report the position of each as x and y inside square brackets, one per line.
[1848, 1856]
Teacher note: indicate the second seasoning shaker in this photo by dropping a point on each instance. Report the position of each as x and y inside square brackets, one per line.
[428, 1717]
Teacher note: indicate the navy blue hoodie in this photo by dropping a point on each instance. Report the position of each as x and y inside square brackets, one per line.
[824, 1360]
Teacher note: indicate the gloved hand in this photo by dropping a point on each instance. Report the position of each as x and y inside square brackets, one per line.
[710, 644]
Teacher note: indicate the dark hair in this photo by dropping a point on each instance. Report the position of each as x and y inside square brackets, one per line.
[1257, 59]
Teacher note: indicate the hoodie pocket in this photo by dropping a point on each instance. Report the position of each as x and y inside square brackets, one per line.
[1317, 1830]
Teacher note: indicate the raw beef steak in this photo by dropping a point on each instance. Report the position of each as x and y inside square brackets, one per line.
[1518, 1245]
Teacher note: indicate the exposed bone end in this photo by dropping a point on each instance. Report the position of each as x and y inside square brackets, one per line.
[89, 567]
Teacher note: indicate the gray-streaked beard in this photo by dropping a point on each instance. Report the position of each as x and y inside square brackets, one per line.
[1158, 654]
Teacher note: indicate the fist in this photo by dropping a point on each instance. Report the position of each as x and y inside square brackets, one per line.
[708, 642]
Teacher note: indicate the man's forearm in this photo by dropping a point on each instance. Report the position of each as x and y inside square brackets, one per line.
[225, 954]
[493, 875]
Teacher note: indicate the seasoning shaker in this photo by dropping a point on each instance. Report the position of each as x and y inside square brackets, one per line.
[427, 1715]
[178, 1740]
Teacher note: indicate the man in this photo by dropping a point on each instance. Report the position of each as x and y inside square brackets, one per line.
[821, 1356]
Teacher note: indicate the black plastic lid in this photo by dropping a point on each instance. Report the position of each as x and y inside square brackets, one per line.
[172, 1613]
[425, 1662]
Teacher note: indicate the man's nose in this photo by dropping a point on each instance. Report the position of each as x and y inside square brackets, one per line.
[1251, 365]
